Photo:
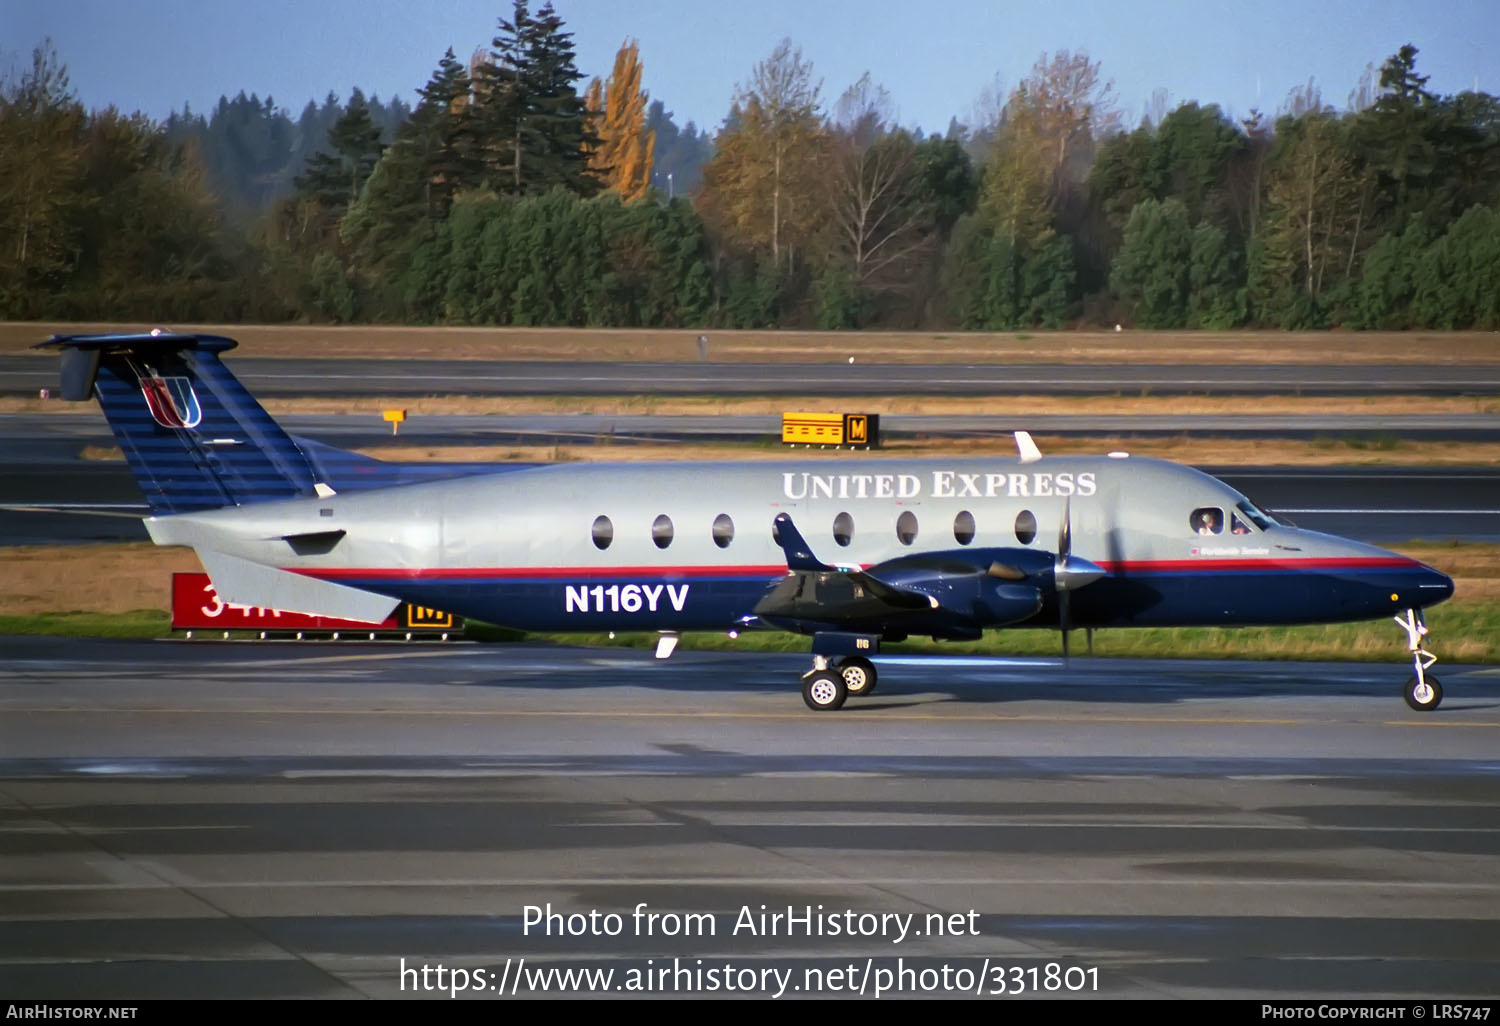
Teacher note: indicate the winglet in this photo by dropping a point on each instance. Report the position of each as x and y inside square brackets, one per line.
[799, 554]
[1027, 448]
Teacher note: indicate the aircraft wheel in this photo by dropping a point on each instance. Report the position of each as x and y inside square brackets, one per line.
[859, 676]
[1424, 697]
[824, 691]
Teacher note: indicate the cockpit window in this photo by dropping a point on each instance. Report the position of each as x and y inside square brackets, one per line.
[1255, 516]
[1236, 525]
[1207, 520]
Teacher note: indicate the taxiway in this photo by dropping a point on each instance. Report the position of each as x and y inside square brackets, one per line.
[191, 819]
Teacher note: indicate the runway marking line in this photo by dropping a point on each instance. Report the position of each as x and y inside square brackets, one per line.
[884, 716]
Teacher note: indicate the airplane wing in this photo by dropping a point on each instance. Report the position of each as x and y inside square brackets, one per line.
[951, 593]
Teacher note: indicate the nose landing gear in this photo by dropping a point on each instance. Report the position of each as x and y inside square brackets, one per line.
[1423, 692]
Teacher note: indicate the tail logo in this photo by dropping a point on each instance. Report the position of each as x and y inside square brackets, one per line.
[172, 402]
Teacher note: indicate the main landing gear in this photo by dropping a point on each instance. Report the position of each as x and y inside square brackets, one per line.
[1423, 692]
[829, 684]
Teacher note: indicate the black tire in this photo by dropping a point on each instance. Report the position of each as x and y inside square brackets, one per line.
[859, 675]
[824, 691]
[1424, 701]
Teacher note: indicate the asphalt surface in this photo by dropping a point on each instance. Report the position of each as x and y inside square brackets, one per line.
[25, 375]
[200, 819]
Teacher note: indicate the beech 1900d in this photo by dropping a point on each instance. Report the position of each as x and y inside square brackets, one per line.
[852, 553]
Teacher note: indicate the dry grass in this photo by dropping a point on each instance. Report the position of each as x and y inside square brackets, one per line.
[122, 578]
[640, 344]
[90, 578]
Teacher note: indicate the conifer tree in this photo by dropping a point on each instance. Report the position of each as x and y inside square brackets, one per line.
[557, 124]
[531, 120]
[335, 179]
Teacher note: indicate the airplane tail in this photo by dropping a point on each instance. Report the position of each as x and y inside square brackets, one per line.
[193, 435]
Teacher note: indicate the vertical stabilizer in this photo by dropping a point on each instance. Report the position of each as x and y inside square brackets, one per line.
[193, 436]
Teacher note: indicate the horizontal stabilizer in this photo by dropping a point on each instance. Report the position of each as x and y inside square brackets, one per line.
[799, 554]
[245, 583]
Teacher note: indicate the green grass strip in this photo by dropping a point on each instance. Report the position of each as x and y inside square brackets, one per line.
[1467, 633]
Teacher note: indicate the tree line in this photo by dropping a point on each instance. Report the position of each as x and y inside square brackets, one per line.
[512, 192]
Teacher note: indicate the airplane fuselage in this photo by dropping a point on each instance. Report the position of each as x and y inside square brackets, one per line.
[680, 547]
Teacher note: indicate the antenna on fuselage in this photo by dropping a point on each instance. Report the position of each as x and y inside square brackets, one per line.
[1027, 448]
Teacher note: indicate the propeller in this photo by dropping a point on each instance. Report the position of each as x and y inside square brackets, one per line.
[1069, 572]
[1060, 570]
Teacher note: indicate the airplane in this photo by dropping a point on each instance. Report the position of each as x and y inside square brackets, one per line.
[853, 554]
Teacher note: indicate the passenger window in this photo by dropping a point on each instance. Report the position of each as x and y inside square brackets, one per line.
[604, 532]
[963, 528]
[1236, 524]
[1025, 527]
[906, 528]
[723, 530]
[843, 529]
[661, 531]
[1207, 520]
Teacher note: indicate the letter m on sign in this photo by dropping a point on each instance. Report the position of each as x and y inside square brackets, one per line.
[862, 429]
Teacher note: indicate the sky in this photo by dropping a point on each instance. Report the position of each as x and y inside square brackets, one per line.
[155, 55]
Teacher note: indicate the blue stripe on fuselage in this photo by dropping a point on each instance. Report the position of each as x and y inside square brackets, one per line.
[1175, 598]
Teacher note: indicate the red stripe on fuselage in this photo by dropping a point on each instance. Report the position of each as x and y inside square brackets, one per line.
[1273, 563]
[622, 572]
[533, 572]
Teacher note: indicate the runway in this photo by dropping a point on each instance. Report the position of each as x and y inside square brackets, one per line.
[25, 375]
[197, 819]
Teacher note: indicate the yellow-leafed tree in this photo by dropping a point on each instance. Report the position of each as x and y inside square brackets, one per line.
[623, 159]
[593, 123]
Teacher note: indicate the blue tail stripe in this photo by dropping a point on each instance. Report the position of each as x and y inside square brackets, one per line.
[233, 453]
[196, 439]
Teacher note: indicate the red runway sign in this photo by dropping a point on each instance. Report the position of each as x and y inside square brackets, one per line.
[196, 606]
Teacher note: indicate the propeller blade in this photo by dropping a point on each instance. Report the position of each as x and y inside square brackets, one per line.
[1060, 571]
[1065, 533]
[1006, 572]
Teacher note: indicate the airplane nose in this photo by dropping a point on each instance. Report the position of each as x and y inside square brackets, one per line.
[1433, 587]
